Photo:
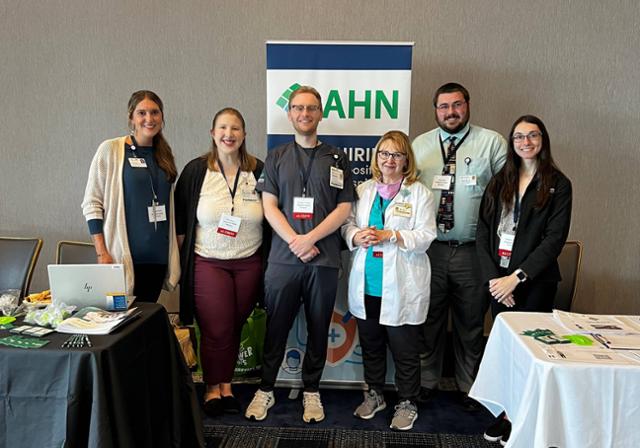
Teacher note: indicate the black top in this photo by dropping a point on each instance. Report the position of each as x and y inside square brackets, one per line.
[283, 177]
[186, 196]
[540, 236]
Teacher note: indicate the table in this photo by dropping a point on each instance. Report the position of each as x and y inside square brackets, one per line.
[131, 389]
[555, 403]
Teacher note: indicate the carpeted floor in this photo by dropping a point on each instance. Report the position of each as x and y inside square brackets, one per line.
[441, 423]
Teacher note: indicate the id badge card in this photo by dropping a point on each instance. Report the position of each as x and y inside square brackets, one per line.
[302, 208]
[504, 249]
[441, 182]
[336, 179]
[403, 209]
[250, 194]
[137, 162]
[469, 180]
[229, 225]
[157, 213]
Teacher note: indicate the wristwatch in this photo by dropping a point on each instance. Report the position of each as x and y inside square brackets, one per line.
[521, 275]
[394, 237]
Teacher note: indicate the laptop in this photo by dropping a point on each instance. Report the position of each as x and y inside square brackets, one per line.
[85, 285]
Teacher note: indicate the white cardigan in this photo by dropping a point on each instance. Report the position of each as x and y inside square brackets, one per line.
[104, 199]
[406, 271]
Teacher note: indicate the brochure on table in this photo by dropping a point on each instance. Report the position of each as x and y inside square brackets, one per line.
[92, 320]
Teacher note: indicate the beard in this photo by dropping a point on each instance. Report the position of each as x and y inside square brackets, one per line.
[444, 126]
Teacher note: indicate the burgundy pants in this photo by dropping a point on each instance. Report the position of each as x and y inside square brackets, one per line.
[225, 293]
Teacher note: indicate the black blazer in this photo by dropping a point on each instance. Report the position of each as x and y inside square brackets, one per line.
[540, 236]
[187, 195]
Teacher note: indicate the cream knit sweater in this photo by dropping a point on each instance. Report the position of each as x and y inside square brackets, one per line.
[104, 199]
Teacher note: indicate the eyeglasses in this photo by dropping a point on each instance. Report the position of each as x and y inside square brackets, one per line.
[535, 135]
[384, 155]
[300, 108]
[445, 106]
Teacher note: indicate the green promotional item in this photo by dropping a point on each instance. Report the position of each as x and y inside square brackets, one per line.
[23, 342]
[579, 339]
[249, 361]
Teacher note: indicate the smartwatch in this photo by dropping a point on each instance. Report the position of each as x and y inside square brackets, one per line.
[521, 275]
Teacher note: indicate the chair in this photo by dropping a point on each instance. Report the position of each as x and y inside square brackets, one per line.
[18, 257]
[570, 260]
[75, 252]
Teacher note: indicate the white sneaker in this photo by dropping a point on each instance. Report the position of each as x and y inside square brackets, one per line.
[260, 405]
[313, 410]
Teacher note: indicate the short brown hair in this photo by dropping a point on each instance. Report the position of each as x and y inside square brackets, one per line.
[401, 141]
[306, 89]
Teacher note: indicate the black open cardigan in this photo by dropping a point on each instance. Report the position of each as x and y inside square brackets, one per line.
[187, 195]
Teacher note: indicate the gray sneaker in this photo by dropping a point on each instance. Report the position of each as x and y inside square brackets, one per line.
[373, 402]
[406, 413]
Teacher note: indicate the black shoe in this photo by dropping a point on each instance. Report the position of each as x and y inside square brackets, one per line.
[214, 407]
[425, 395]
[230, 404]
[499, 430]
[468, 403]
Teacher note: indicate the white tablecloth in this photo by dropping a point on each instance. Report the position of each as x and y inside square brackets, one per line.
[556, 403]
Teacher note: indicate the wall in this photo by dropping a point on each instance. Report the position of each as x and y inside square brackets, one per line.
[68, 68]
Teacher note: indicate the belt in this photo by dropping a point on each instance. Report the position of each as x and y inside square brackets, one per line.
[454, 243]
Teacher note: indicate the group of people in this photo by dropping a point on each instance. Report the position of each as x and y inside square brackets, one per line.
[459, 219]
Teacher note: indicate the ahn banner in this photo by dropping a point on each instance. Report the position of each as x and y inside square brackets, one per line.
[366, 91]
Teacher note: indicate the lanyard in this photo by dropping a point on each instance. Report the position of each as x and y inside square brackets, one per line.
[307, 170]
[154, 202]
[382, 209]
[235, 184]
[445, 156]
[516, 209]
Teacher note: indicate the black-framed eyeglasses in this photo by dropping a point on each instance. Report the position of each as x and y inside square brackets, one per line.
[534, 135]
[300, 108]
[445, 106]
[384, 155]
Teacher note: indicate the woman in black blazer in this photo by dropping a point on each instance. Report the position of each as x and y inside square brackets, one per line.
[523, 224]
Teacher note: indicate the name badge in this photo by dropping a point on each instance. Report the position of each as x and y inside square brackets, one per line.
[229, 225]
[441, 182]
[302, 208]
[378, 254]
[504, 249]
[336, 179]
[250, 194]
[137, 162]
[403, 209]
[468, 180]
[157, 213]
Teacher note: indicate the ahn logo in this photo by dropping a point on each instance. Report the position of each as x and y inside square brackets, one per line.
[283, 101]
[371, 103]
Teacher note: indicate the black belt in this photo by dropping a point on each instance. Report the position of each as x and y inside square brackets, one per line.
[454, 243]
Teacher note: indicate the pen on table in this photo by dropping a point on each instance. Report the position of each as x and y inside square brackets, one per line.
[87, 340]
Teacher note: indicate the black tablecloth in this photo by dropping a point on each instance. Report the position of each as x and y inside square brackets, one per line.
[131, 389]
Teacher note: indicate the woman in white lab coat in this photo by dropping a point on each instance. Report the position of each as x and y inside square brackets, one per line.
[389, 230]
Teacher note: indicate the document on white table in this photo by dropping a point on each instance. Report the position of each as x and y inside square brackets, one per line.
[591, 356]
[594, 323]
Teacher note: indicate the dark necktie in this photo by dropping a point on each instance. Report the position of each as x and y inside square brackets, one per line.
[445, 208]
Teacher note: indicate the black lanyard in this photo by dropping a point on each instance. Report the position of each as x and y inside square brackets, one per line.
[445, 156]
[516, 210]
[235, 184]
[382, 210]
[307, 170]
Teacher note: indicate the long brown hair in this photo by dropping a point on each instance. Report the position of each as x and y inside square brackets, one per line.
[507, 181]
[247, 161]
[162, 154]
[403, 144]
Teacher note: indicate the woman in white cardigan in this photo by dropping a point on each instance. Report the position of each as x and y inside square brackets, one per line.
[128, 201]
[389, 230]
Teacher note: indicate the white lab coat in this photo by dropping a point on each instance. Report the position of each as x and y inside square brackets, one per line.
[406, 271]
